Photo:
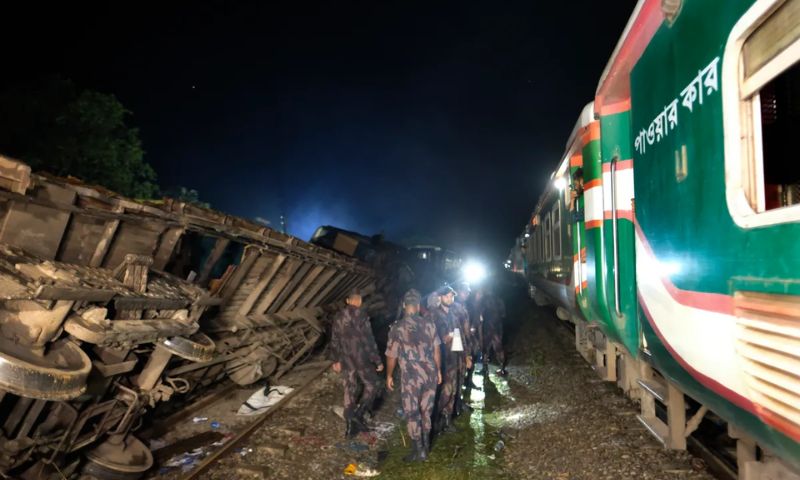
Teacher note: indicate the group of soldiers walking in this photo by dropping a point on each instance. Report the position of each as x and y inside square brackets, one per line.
[435, 348]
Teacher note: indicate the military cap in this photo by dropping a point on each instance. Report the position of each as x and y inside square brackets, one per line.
[411, 297]
[444, 290]
[462, 287]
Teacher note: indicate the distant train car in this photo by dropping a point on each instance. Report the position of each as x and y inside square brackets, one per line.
[691, 286]
[346, 242]
[433, 265]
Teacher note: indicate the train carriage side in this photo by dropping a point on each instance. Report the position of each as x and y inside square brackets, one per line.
[548, 265]
[712, 108]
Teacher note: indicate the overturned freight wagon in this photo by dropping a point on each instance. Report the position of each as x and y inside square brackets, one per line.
[111, 309]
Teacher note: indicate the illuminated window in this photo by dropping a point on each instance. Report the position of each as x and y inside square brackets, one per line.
[556, 227]
[761, 158]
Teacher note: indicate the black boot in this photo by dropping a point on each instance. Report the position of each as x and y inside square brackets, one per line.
[447, 424]
[426, 446]
[358, 415]
[462, 406]
[414, 455]
[353, 427]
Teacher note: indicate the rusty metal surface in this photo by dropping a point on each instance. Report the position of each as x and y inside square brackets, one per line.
[111, 308]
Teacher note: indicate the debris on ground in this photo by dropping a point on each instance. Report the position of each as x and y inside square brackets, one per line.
[262, 399]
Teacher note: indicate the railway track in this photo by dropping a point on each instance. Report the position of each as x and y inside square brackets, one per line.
[712, 449]
[242, 433]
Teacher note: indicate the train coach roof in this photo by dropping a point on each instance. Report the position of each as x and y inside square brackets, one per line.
[613, 90]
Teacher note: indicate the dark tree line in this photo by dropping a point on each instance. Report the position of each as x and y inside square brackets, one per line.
[56, 127]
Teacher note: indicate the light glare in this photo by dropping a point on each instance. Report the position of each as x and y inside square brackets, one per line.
[560, 183]
[473, 272]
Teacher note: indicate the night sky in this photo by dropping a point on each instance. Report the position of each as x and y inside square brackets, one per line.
[426, 121]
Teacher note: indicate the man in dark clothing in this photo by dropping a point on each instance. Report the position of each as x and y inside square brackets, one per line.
[446, 325]
[575, 194]
[461, 313]
[356, 357]
[493, 311]
[414, 343]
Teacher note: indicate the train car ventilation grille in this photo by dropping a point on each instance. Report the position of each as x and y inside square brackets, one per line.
[768, 342]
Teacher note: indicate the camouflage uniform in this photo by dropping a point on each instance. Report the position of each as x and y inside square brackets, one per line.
[353, 345]
[446, 321]
[412, 341]
[493, 310]
[463, 321]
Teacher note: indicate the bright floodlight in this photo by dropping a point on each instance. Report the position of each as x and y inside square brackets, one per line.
[560, 183]
[473, 272]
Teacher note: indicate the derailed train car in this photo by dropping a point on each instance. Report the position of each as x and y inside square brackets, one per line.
[687, 293]
[114, 309]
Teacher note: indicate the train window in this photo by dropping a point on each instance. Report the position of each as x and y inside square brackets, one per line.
[539, 245]
[548, 255]
[556, 228]
[760, 158]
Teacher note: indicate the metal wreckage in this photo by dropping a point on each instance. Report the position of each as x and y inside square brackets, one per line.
[111, 309]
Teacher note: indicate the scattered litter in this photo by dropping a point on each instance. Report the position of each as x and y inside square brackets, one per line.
[199, 419]
[191, 444]
[366, 472]
[499, 445]
[359, 470]
[187, 458]
[262, 399]
[214, 424]
[338, 411]
[243, 451]
[383, 430]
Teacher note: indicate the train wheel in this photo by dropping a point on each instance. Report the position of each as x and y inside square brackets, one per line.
[58, 374]
[120, 457]
[196, 348]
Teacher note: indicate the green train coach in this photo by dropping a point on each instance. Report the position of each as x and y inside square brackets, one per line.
[678, 258]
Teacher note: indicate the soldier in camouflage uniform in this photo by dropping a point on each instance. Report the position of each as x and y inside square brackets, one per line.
[356, 357]
[414, 343]
[446, 323]
[461, 313]
[493, 311]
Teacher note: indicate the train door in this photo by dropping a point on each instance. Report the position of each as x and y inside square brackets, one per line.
[618, 233]
[593, 269]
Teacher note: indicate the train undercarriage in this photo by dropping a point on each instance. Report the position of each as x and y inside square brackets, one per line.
[113, 311]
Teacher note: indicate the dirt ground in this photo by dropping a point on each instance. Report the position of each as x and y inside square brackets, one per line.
[550, 418]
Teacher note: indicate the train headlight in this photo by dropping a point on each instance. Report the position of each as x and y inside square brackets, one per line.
[473, 272]
[560, 183]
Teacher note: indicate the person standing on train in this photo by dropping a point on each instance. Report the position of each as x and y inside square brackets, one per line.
[414, 344]
[356, 356]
